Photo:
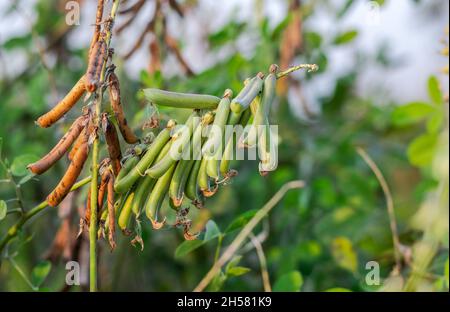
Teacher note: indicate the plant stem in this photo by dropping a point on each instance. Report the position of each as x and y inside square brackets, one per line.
[246, 231]
[14, 230]
[95, 156]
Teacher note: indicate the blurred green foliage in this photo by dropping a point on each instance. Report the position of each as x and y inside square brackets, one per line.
[317, 239]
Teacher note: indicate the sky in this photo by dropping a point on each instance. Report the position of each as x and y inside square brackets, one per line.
[410, 32]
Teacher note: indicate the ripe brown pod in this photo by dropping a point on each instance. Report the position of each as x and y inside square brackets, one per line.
[64, 105]
[116, 105]
[61, 148]
[70, 177]
[106, 176]
[82, 138]
[97, 58]
[112, 141]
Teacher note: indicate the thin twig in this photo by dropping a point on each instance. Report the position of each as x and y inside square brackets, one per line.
[14, 229]
[389, 205]
[309, 67]
[240, 238]
[262, 262]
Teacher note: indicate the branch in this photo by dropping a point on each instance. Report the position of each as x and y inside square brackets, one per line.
[95, 154]
[14, 230]
[237, 242]
[262, 262]
[389, 205]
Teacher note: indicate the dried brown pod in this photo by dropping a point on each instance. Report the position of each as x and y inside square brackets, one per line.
[82, 138]
[60, 148]
[116, 105]
[64, 105]
[102, 188]
[70, 177]
[98, 20]
[97, 59]
[112, 141]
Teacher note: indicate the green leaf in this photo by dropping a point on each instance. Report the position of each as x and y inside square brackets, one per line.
[446, 273]
[345, 37]
[17, 42]
[238, 271]
[233, 262]
[435, 122]
[212, 231]
[3, 209]
[229, 32]
[217, 282]
[186, 247]
[20, 163]
[434, 91]
[40, 272]
[344, 254]
[411, 113]
[421, 150]
[291, 281]
[240, 221]
[26, 178]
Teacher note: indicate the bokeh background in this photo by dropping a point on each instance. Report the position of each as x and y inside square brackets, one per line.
[382, 86]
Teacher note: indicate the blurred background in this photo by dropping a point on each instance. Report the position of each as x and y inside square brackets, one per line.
[382, 87]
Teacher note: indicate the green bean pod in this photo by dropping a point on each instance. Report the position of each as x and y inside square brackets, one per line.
[203, 180]
[215, 139]
[121, 186]
[160, 167]
[192, 189]
[125, 213]
[127, 166]
[143, 188]
[248, 94]
[268, 161]
[263, 110]
[181, 100]
[178, 182]
[156, 198]
[227, 155]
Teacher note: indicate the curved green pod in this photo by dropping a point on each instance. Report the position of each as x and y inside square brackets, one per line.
[125, 213]
[179, 180]
[144, 187]
[146, 184]
[182, 140]
[215, 139]
[156, 197]
[262, 112]
[248, 94]
[203, 180]
[192, 190]
[241, 119]
[181, 100]
[121, 186]
[127, 166]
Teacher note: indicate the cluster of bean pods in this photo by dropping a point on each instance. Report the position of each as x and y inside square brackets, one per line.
[182, 162]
